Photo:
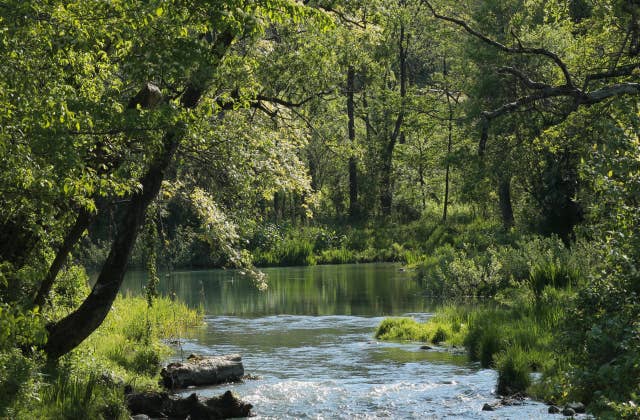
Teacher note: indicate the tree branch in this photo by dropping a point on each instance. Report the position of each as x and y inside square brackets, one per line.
[528, 82]
[511, 50]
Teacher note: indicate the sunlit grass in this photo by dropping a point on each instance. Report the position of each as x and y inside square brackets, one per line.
[128, 348]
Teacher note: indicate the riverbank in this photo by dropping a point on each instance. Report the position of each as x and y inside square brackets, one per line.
[523, 340]
[516, 340]
[126, 351]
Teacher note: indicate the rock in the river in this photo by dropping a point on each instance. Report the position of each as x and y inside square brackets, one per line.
[568, 412]
[578, 407]
[554, 410]
[203, 370]
[161, 404]
[487, 407]
[425, 347]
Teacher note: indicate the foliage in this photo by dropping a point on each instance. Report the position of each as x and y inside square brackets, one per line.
[516, 337]
[513, 372]
[496, 151]
[126, 349]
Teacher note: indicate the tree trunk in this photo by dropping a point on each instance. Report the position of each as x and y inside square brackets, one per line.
[70, 331]
[386, 194]
[83, 221]
[353, 168]
[449, 146]
[504, 195]
[67, 333]
[386, 188]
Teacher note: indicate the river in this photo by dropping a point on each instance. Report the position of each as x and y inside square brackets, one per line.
[309, 340]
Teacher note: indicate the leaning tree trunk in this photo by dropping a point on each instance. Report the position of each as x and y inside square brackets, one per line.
[70, 331]
[82, 222]
[66, 334]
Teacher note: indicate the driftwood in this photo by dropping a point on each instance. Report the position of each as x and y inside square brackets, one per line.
[203, 370]
[163, 405]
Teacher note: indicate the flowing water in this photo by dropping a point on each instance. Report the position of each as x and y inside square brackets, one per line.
[309, 340]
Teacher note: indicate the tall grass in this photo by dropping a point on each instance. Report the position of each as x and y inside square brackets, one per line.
[130, 337]
[126, 349]
[516, 339]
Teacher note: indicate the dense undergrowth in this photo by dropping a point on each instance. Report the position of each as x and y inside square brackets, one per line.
[538, 312]
[407, 243]
[89, 382]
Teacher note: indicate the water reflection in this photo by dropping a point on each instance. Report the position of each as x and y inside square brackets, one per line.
[363, 289]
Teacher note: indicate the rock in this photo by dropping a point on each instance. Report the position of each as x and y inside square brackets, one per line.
[203, 370]
[554, 410]
[578, 407]
[161, 404]
[426, 348]
[487, 407]
[568, 412]
[515, 399]
[140, 417]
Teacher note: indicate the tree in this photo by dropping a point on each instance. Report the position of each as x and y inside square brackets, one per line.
[112, 141]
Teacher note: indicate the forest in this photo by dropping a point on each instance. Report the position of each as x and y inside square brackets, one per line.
[490, 147]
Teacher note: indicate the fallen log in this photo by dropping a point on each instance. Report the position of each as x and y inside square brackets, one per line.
[202, 371]
[163, 405]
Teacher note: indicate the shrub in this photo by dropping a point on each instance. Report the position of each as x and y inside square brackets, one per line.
[513, 371]
[439, 336]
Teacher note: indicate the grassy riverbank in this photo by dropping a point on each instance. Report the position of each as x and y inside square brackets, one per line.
[515, 339]
[531, 322]
[127, 349]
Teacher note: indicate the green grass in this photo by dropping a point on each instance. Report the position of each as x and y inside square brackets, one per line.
[127, 348]
[515, 340]
[448, 326]
[130, 339]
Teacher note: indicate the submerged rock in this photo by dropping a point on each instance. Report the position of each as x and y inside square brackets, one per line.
[568, 412]
[202, 371]
[487, 407]
[161, 404]
[425, 347]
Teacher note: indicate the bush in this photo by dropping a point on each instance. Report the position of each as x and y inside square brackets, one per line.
[513, 371]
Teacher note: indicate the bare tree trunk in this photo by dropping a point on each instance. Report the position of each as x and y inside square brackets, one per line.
[504, 195]
[353, 168]
[386, 194]
[449, 146]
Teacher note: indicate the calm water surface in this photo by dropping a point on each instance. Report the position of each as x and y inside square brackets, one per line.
[309, 339]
